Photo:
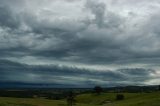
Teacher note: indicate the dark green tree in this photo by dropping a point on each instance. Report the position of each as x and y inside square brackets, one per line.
[119, 97]
[71, 99]
[98, 89]
[158, 87]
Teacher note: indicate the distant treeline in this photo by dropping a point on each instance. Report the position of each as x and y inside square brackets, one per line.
[133, 89]
[40, 93]
[63, 92]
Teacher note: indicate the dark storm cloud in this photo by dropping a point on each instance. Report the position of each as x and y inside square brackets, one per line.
[16, 72]
[7, 19]
[98, 9]
[64, 38]
[87, 32]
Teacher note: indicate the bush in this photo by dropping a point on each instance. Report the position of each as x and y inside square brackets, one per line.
[98, 89]
[120, 97]
[71, 99]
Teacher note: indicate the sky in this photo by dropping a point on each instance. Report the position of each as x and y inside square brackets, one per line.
[80, 43]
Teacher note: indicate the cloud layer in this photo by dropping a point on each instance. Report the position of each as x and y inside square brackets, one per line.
[62, 75]
[116, 35]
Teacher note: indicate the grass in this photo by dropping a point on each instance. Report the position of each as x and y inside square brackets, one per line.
[131, 99]
[147, 99]
[105, 99]
[8, 101]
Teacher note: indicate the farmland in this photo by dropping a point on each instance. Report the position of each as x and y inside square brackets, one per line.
[89, 99]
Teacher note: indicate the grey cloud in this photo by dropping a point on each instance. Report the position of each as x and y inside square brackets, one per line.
[62, 39]
[103, 16]
[7, 18]
[56, 26]
[98, 9]
[112, 37]
[16, 72]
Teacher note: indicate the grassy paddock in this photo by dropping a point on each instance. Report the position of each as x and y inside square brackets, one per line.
[105, 99]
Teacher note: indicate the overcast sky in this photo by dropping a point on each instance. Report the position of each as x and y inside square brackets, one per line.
[80, 42]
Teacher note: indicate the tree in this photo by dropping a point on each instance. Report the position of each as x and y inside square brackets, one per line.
[119, 97]
[159, 87]
[71, 99]
[98, 89]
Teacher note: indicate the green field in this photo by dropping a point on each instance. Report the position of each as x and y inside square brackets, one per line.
[105, 99]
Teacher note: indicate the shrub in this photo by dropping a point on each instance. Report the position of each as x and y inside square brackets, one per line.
[120, 97]
[98, 89]
[71, 99]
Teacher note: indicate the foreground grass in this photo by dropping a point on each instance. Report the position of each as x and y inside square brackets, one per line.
[7, 101]
[131, 99]
[148, 99]
[105, 99]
